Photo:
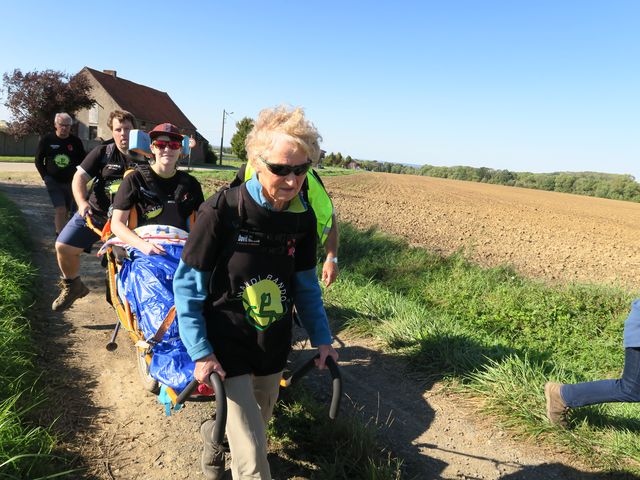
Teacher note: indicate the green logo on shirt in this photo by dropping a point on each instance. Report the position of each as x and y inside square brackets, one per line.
[262, 303]
[61, 160]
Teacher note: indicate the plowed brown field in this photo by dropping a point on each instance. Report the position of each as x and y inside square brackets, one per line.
[546, 235]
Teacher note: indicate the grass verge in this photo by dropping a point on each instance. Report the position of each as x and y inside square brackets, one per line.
[25, 450]
[494, 335]
[301, 432]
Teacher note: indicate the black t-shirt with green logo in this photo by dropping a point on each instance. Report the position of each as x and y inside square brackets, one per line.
[58, 157]
[254, 254]
[106, 165]
[168, 201]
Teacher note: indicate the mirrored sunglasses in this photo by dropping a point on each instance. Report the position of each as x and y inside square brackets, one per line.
[162, 144]
[283, 170]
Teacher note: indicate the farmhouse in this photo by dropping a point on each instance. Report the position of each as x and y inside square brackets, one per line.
[148, 105]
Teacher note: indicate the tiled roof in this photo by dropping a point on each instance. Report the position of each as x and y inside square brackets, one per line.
[143, 102]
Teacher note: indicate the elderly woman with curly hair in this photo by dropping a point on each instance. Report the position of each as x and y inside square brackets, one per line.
[249, 260]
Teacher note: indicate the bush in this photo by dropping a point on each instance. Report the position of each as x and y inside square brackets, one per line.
[210, 156]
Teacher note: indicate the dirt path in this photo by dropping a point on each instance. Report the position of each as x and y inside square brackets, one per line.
[118, 431]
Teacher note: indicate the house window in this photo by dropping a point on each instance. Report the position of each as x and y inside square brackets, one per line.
[93, 132]
[93, 115]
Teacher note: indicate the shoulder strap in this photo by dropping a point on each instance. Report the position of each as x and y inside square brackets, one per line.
[234, 202]
[229, 202]
[108, 153]
[147, 176]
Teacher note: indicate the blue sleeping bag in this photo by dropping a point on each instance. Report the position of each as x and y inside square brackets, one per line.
[147, 282]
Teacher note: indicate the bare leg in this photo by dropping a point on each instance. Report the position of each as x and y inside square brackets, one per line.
[68, 260]
[60, 218]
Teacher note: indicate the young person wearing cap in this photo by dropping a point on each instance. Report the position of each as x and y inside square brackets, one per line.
[57, 157]
[105, 165]
[160, 193]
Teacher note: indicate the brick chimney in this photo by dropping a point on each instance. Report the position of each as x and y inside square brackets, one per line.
[110, 72]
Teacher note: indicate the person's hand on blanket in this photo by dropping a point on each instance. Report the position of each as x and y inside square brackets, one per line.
[149, 248]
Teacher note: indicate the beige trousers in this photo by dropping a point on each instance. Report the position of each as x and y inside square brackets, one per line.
[250, 402]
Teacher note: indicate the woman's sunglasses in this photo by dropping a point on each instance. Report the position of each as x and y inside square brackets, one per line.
[162, 144]
[283, 170]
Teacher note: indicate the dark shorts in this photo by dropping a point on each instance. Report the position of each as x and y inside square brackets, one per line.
[60, 193]
[77, 234]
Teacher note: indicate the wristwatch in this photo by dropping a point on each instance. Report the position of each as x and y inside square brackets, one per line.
[332, 260]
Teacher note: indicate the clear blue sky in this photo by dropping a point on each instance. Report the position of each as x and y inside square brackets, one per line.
[550, 85]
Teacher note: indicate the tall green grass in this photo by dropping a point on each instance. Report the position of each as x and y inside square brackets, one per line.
[24, 449]
[322, 449]
[494, 334]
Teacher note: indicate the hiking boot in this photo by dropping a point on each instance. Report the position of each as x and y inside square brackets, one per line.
[556, 408]
[70, 291]
[212, 461]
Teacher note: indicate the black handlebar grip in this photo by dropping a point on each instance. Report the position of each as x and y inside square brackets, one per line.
[187, 391]
[221, 408]
[336, 394]
[303, 370]
[221, 404]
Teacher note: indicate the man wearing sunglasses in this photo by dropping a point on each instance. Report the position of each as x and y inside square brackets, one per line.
[317, 196]
[57, 157]
[104, 166]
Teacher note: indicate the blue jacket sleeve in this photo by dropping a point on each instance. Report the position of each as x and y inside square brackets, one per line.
[310, 309]
[190, 293]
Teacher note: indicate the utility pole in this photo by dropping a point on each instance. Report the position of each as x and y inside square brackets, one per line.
[224, 115]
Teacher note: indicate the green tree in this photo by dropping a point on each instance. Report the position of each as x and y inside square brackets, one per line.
[210, 155]
[33, 98]
[545, 181]
[564, 183]
[503, 177]
[243, 127]
[585, 186]
[526, 180]
[329, 159]
[484, 174]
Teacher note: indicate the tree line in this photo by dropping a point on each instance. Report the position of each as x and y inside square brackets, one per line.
[593, 184]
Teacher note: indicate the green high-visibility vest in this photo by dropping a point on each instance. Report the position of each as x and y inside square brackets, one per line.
[319, 200]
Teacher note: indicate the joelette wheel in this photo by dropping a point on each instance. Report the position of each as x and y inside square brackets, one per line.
[148, 382]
